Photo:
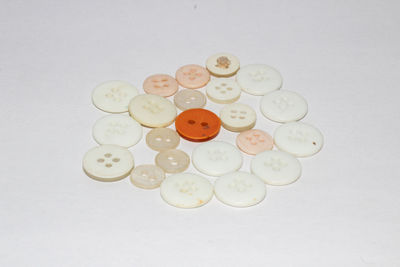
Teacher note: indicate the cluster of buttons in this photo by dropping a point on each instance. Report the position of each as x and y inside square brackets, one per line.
[115, 133]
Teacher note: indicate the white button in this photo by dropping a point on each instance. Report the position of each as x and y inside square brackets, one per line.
[223, 91]
[239, 189]
[152, 110]
[298, 138]
[258, 79]
[108, 163]
[276, 167]
[172, 160]
[186, 190]
[147, 176]
[283, 106]
[222, 64]
[237, 117]
[216, 158]
[113, 96]
[117, 129]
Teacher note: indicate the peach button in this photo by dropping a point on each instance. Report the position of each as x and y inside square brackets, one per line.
[192, 76]
[254, 141]
[160, 84]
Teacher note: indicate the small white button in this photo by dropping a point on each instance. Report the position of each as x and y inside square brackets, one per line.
[223, 91]
[239, 189]
[258, 79]
[238, 117]
[216, 158]
[186, 190]
[222, 64]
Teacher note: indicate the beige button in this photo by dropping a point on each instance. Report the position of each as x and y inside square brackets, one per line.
[147, 176]
[160, 139]
[173, 160]
[188, 98]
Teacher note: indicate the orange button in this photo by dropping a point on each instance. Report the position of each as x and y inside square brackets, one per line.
[198, 125]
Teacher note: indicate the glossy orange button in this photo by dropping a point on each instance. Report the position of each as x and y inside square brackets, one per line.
[197, 125]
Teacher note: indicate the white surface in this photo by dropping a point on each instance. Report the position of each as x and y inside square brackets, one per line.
[152, 110]
[283, 106]
[108, 163]
[276, 167]
[116, 129]
[299, 139]
[342, 56]
[258, 79]
[113, 96]
[186, 190]
[240, 189]
[223, 90]
[216, 158]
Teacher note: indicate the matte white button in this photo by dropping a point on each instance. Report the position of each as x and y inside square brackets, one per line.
[216, 158]
[186, 190]
[147, 176]
[108, 163]
[223, 91]
[238, 117]
[276, 167]
[239, 189]
[113, 96]
[283, 106]
[152, 110]
[222, 64]
[258, 79]
[117, 129]
[298, 138]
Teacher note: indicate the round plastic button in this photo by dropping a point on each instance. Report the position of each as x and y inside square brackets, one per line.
[258, 79]
[223, 91]
[238, 117]
[197, 125]
[160, 139]
[173, 160]
[192, 76]
[188, 98]
[254, 141]
[223, 64]
[160, 84]
[147, 176]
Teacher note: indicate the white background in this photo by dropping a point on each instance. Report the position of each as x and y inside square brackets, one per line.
[342, 56]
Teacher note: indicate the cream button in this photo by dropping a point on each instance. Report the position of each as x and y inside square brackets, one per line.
[223, 91]
[147, 176]
[222, 64]
[108, 163]
[237, 117]
[113, 96]
[152, 110]
[172, 160]
[160, 139]
[188, 99]
[258, 79]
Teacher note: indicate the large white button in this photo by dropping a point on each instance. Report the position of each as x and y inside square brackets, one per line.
[113, 96]
[117, 129]
[223, 91]
[186, 190]
[152, 110]
[276, 167]
[108, 163]
[216, 158]
[239, 189]
[258, 79]
[238, 117]
[298, 138]
[283, 106]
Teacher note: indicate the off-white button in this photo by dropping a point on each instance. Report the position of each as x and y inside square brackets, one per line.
[238, 117]
[113, 96]
[172, 160]
[108, 163]
[189, 98]
[223, 91]
[258, 79]
[147, 176]
[223, 64]
[160, 139]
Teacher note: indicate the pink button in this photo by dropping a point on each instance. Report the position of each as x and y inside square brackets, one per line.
[160, 84]
[254, 141]
[192, 76]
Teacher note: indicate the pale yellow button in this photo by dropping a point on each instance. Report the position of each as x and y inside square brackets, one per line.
[160, 139]
[189, 98]
[147, 176]
[173, 160]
